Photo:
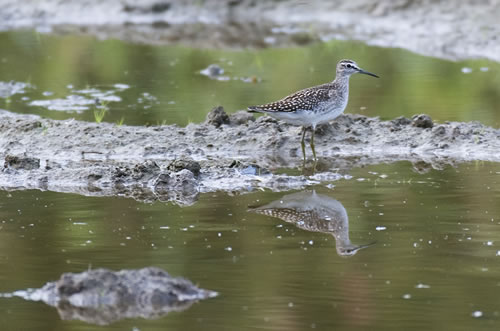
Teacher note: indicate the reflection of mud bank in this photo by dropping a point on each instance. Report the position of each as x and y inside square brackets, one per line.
[101, 296]
[229, 153]
[448, 29]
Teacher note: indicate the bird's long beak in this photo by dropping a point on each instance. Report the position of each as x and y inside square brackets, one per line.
[359, 247]
[361, 71]
[353, 249]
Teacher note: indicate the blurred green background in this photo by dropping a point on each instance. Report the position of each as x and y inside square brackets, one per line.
[166, 86]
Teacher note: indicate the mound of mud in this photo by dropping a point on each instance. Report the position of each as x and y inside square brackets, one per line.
[238, 153]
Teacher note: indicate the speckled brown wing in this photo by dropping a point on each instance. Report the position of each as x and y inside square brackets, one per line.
[287, 214]
[306, 99]
[309, 220]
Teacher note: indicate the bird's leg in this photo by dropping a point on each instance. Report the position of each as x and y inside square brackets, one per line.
[303, 144]
[313, 130]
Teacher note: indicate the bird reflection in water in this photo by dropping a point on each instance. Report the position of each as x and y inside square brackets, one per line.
[314, 212]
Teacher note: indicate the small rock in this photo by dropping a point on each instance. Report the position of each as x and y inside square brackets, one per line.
[323, 129]
[400, 121]
[359, 118]
[439, 130]
[422, 121]
[345, 120]
[31, 126]
[94, 177]
[190, 165]
[21, 162]
[266, 119]
[145, 170]
[217, 116]
[140, 172]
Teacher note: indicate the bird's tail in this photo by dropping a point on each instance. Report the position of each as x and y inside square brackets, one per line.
[253, 109]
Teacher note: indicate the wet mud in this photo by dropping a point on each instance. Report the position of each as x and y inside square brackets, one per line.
[232, 153]
[444, 29]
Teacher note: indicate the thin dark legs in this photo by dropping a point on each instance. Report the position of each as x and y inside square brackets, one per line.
[303, 145]
[313, 130]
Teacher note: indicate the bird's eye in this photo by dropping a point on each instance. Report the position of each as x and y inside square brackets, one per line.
[348, 66]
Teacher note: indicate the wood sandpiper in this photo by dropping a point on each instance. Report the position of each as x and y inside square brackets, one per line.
[314, 212]
[314, 105]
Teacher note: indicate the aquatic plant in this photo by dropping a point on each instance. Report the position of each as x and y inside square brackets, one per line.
[100, 110]
[120, 122]
[99, 114]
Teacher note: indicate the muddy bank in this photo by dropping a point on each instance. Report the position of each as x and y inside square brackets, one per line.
[446, 29]
[233, 153]
[102, 296]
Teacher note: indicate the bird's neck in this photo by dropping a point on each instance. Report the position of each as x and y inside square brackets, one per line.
[342, 80]
[341, 233]
[341, 85]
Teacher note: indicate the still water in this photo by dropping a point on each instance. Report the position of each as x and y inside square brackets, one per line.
[435, 263]
[144, 84]
[432, 255]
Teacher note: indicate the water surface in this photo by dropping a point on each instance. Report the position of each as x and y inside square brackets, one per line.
[435, 264]
[144, 84]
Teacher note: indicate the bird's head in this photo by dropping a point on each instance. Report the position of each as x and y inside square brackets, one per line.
[349, 67]
[350, 250]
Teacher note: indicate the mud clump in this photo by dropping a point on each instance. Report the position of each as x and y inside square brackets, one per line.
[401, 121]
[190, 165]
[32, 126]
[140, 172]
[217, 116]
[422, 121]
[21, 162]
[439, 130]
[241, 118]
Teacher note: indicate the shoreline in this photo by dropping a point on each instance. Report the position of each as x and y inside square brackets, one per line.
[234, 153]
[433, 28]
